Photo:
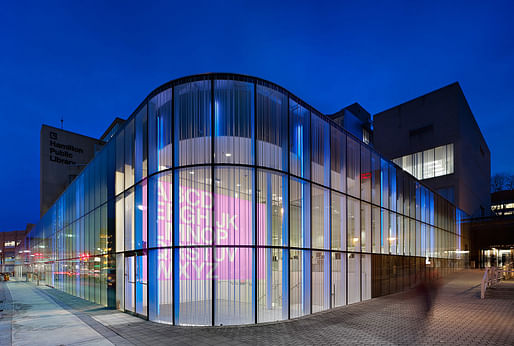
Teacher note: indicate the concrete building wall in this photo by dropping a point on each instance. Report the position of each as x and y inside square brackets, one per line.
[474, 160]
[439, 118]
[63, 155]
[425, 122]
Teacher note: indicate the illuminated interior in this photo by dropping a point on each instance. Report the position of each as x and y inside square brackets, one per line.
[430, 163]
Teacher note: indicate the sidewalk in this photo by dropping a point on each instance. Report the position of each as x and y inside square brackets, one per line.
[35, 319]
[6, 312]
[458, 317]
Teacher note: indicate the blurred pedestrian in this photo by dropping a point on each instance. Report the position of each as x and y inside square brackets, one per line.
[427, 291]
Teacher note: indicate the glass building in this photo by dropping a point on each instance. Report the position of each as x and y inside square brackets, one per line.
[224, 199]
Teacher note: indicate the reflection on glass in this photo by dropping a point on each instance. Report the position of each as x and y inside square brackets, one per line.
[366, 276]
[338, 279]
[141, 145]
[320, 218]
[399, 234]
[300, 288]
[194, 209]
[272, 208]
[161, 210]
[384, 231]
[406, 236]
[338, 221]
[393, 238]
[159, 131]
[365, 223]
[272, 285]
[120, 281]
[299, 122]
[300, 213]
[193, 295]
[271, 132]
[233, 121]
[234, 273]
[120, 163]
[161, 286]
[365, 174]
[353, 169]
[130, 283]
[338, 159]
[129, 220]
[376, 229]
[384, 182]
[320, 154]
[320, 281]
[354, 279]
[129, 155]
[141, 285]
[193, 123]
[141, 215]
[354, 230]
[233, 209]
[120, 227]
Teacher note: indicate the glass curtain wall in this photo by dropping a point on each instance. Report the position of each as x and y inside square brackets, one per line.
[225, 200]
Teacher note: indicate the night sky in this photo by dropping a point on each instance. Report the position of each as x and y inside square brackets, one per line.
[91, 62]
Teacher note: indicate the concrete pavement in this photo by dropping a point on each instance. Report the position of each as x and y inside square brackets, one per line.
[458, 317]
[35, 319]
[6, 312]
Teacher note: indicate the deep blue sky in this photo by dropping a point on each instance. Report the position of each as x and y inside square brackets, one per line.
[93, 61]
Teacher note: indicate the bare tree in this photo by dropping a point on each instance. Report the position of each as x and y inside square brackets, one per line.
[501, 182]
[509, 182]
[498, 182]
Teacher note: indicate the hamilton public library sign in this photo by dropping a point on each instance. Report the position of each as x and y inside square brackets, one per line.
[60, 152]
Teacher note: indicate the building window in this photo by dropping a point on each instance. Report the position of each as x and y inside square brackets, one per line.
[503, 209]
[365, 136]
[431, 163]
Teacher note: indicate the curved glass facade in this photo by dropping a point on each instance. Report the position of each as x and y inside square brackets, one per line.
[224, 200]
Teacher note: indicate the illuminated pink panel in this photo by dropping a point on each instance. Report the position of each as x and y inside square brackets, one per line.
[145, 215]
[164, 213]
[233, 226]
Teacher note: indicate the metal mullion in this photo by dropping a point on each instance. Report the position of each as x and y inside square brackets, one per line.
[124, 279]
[288, 250]
[346, 217]
[360, 222]
[371, 231]
[147, 215]
[174, 142]
[310, 209]
[330, 216]
[254, 199]
[135, 283]
[213, 134]
[310, 179]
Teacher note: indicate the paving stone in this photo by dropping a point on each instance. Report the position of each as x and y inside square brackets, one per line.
[458, 317]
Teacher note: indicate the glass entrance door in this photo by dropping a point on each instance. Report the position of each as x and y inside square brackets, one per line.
[141, 285]
[136, 283]
[130, 283]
